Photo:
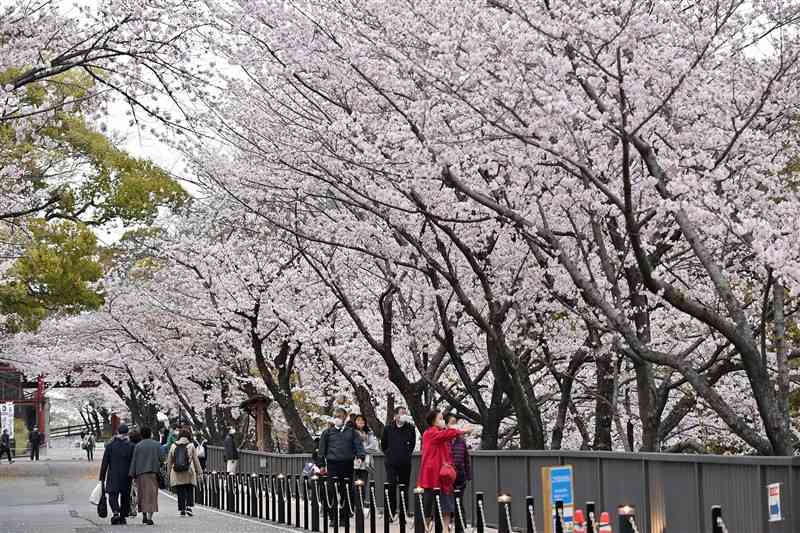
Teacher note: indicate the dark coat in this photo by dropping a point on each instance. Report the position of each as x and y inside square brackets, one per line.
[5, 441]
[461, 462]
[342, 444]
[116, 465]
[35, 438]
[398, 443]
[231, 453]
[145, 458]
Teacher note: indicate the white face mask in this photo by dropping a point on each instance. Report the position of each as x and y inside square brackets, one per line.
[338, 422]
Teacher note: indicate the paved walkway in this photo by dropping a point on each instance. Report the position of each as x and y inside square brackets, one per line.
[52, 496]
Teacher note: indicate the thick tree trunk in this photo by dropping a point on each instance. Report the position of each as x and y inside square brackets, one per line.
[604, 402]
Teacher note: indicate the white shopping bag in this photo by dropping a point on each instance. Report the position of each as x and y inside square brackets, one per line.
[97, 493]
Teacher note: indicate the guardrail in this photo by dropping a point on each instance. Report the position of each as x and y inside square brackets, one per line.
[671, 493]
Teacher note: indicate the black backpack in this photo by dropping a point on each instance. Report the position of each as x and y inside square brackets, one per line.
[181, 458]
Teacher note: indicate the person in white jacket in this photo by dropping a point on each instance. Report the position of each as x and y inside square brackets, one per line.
[362, 468]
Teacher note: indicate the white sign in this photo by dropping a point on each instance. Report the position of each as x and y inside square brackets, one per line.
[7, 418]
[774, 502]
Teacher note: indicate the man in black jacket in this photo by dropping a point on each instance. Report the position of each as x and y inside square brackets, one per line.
[114, 474]
[5, 446]
[398, 443]
[339, 446]
[35, 440]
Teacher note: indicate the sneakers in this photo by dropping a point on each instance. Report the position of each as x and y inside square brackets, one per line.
[182, 513]
[189, 511]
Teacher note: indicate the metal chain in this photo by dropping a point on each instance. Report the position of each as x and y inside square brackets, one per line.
[439, 510]
[508, 517]
[533, 520]
[460, 514]
[349, 501]
[721, 524]
[316, 491]
[359, 501]
[403, 506]
[387, 506]
[634, 527]
[327, 496]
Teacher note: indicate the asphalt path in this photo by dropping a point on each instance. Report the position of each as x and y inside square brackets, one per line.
[52, 496]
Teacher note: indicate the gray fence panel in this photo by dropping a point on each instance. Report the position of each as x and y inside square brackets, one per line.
[673, 488]
[671, 493]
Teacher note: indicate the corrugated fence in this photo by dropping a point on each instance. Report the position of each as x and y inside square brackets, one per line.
[672, 493]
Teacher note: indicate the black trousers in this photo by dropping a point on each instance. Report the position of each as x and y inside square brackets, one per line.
[398, 475]
[120, 502]
[185, 496]
[338, 472]
[7, 452]
[34, 453]
[90, 454]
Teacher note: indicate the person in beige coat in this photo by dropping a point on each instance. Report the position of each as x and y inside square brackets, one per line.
[184, 480]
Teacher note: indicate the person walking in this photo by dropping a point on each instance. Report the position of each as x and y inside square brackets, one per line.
[363, 468]
[35, 440]
[184, 470]
[436, 470]
[461, 459]
[89, 445]
[5, 446]
[341, 446]
[114, 471]
[145, 465]
[398, 443]
[231, 452]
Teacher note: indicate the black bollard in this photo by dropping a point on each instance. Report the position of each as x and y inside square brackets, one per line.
[419, 511]
[230, 484]
[347, 504]
[315, 504]
[591, 518]
[626, 519]
[306, 525]
[274, 489]
[237, 489]
[260, 482]
[558, 517]
[388, 517]
[373, 508]
[359, 507]
[530, 516]
[717, 523]
[480, 513]
[337, 505]
[297, 501]
[288, 483]
[504, 513]
[402, 508]
[280, 485]
[255, 502]
[245, 508]
[326, 504]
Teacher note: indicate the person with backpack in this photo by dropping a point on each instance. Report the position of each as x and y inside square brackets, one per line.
[184, 470]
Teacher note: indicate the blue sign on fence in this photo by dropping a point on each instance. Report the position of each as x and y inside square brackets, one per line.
[558, 486]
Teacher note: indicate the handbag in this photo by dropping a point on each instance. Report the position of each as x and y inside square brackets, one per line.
[94, 497]
[162, 483]
[447, 475]
[102, 507]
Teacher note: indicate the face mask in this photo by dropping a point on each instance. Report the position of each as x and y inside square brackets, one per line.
[337, 422]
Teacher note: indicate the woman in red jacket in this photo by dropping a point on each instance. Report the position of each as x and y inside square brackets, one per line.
[436, 444]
